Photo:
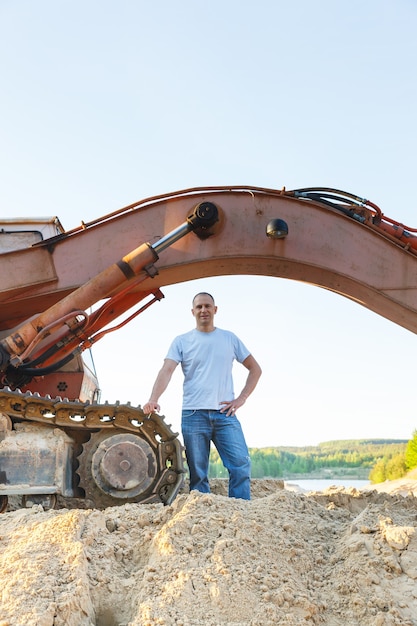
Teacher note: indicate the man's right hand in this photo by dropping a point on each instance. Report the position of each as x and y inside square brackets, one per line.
[151, 407]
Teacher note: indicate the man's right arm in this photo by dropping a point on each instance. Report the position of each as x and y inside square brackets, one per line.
[160, 384]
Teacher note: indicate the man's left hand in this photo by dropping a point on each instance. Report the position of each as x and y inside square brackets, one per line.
[231, 406]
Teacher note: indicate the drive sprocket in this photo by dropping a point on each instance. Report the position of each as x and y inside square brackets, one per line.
[117, 467]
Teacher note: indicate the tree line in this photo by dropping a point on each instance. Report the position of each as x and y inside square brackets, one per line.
[373, 459]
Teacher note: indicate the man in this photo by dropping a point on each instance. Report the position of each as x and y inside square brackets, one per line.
[206, 354]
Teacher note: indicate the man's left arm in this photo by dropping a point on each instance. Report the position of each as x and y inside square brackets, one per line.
[254, 375]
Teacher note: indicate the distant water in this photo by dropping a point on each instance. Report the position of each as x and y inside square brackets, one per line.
[311, 484]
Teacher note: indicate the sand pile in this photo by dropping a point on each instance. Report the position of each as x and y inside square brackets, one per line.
[341, 557]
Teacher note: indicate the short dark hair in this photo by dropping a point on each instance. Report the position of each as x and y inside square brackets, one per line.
[203, 293]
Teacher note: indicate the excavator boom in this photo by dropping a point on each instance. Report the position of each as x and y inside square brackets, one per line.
[346, 246]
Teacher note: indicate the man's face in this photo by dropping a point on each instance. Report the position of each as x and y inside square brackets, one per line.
[204, 311]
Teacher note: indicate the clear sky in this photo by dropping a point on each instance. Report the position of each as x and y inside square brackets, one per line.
[104, 103]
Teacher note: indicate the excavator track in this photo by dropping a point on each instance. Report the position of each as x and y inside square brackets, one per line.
[126, 456]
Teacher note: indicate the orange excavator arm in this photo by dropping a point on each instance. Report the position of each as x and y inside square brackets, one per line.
[329, 230]
[336, 240]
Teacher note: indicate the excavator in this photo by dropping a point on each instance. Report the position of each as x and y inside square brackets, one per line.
[62, 291]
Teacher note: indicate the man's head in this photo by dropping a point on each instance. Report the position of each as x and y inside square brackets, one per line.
[203, 293]
[204, 310]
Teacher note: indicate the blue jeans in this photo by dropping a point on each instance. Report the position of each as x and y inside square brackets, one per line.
[202, 426]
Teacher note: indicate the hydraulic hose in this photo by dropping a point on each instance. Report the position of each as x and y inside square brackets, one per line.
[44, 371]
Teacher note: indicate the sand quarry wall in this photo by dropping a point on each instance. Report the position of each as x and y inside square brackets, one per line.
[336, 558]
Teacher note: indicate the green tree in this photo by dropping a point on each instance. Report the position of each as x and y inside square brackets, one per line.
[395, 467]
[378, 474]
[411, 452]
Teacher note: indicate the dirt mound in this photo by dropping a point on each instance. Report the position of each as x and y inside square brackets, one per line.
[341, 557]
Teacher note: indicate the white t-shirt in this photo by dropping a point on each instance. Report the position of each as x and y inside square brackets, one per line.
[206, 360]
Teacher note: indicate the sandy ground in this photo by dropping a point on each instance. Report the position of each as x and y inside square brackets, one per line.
[339, 557]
